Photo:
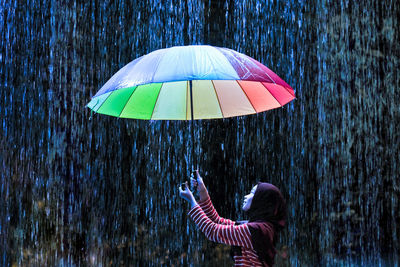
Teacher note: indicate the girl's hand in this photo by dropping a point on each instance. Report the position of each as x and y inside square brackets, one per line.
[187, 195]
[201, 188]
[197, 182]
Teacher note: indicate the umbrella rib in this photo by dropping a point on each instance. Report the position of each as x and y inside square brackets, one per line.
[246, 96]
[98, 102]
[257, 62]
[155, 103]
[276, 83]
[187, 87]
[273, 80]
[219, 103]
[289, 91]
[191, 101]
[103, 102]
[270, 77]
[280, 85]
[134, 90]
[156, 69]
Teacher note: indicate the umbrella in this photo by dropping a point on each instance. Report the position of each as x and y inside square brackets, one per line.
[190, 83]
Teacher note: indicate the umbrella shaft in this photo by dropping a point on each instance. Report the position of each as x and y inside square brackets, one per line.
[194, 163]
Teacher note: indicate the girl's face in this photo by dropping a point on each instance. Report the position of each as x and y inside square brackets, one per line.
[248, 198]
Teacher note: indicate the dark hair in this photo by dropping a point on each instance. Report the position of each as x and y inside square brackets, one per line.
[268, 205]
[267, 216]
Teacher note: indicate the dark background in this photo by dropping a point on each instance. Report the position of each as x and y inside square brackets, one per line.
[79, 189]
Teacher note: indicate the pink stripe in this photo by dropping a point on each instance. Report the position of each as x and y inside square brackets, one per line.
[197, 216]
[251, 253]
[202, 224]
[246, 67]
[190, 213]
[279, 93]
[249, 69]
[207, 209]
[217, 231]
[214, 214]
[237, 236]
[247, 236]
[230, 234]
[233, 236]
[275, 78]
[206, 203]
[207, 231]
[242, 236]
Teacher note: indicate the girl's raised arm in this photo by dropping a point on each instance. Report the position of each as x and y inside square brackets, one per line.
[205, 201]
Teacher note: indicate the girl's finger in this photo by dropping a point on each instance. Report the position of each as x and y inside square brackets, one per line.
[187, 186]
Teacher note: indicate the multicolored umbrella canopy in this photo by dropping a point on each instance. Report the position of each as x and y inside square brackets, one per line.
[223, 82]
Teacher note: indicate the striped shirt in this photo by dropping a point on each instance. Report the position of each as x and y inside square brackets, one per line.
[225, 231]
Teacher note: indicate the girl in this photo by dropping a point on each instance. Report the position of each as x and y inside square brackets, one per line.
[253, 241]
